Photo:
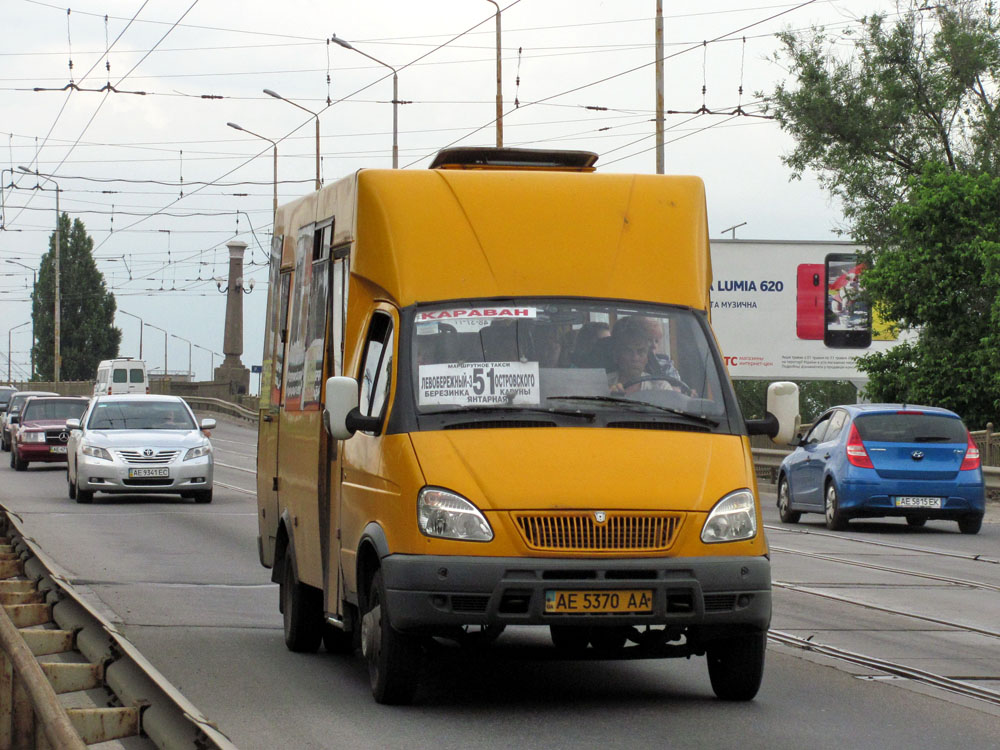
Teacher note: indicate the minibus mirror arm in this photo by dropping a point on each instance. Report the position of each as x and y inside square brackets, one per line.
[767, 426]
[358, 422]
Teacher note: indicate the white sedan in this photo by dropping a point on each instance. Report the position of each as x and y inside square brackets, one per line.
[136, 443]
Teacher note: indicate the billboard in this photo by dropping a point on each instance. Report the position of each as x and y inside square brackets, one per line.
[792, 310]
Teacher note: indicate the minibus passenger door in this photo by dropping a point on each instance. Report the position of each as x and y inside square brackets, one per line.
[332, 574]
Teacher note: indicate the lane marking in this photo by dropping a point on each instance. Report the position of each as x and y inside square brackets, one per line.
[235, 468]
[237, 489]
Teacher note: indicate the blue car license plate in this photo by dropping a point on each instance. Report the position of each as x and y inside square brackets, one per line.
[910, 501]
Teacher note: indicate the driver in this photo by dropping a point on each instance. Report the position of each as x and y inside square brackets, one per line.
[632, 342]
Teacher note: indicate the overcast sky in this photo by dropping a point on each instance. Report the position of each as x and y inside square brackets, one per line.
[163, 184]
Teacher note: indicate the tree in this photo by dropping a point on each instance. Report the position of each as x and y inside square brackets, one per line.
[948, 256]
[87, 314]
[912, 109]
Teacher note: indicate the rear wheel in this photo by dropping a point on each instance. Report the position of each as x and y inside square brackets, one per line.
[736, 666]
[836, 519]
[393, 657]
[785, 512]
[915, 520]
[970, 524]
[302, 608]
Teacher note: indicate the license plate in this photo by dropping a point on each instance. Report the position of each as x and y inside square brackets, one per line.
[57, 449]
[145, 473]
[608, 601]
[908, 501]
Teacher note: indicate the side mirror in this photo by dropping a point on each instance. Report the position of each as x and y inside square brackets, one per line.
[782, 420]
[208, 424]
[341, 416]
[72, 424]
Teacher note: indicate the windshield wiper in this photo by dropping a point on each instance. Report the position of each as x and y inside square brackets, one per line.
[639, 406]
[508, 410]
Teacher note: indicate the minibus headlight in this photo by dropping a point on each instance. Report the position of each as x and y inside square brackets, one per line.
[732, 519]
[445, 515]
[95, 452]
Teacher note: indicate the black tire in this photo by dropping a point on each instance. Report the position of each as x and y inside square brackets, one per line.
[394, 658]
[70, 486]
[16, 461]
[84, 497]
[836, 519]
[736, 666]
[970, 524]
[917, 521]
[570, 637]
[785, 512]
[5, 445]
[203, 496]
[302, 610]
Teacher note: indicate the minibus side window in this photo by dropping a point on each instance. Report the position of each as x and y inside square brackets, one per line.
[376, 376]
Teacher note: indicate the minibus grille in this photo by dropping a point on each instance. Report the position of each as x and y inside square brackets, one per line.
[580, 531]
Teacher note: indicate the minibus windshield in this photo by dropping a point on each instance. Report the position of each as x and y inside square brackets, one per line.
[565, 354]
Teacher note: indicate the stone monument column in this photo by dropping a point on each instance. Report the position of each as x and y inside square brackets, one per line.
[232, 370]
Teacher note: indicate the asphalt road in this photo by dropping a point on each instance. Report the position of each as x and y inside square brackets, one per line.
[184, 582]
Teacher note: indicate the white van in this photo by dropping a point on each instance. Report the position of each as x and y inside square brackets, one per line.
[122, 375]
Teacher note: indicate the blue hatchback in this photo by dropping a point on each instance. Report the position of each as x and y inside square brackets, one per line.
[872, 460]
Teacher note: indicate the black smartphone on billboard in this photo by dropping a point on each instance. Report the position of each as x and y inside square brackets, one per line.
[847, 320]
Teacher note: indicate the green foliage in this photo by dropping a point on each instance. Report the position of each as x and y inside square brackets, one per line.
[922, 89]
[87, 308]
[943, 278]
[903, 126]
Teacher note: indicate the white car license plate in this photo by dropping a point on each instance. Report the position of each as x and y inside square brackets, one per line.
[57, 449]
[146, 473]
[909, 501]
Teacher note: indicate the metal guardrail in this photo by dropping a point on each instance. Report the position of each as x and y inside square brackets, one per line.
[146, 704]
[767, 461]
[217, 405]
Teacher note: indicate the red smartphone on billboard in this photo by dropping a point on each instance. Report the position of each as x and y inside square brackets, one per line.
[810, 299]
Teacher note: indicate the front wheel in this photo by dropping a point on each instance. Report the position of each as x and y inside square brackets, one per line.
[203, 496]
[970, 524]
[736, 666]
[16, 462]
[785, 512]
[302, 610]
[836, 519]
[393, 657]
[70, 486]
[84, 497]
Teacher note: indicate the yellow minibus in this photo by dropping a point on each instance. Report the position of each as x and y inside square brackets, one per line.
[492, 399]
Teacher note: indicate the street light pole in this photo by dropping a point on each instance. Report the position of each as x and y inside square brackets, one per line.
[165, 370]
[273, 143]
[499, 81]
[34, 283]
[140, 328]
[395, 96]
[9, 348]
[57, 333]
[314, 114]
[175, 336]
[659, 87]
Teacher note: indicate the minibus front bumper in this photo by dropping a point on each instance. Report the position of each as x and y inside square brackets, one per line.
[430, 591]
